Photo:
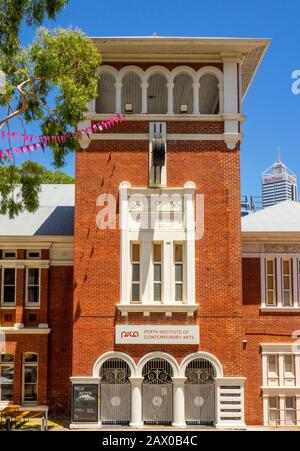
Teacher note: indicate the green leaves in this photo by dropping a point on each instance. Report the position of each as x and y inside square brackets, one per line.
[20, 186]
[51, 81]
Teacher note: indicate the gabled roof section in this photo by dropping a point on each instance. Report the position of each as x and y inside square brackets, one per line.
[54, 217]
[157, 49]
[280, 218]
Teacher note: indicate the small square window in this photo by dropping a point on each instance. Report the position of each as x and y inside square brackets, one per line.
[9, 255]
[33, 255]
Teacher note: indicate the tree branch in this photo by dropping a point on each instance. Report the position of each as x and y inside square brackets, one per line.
[24, 104]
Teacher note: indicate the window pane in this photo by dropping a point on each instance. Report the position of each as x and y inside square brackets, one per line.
[270, 298]
[157, 252]
[7, 375]
[288, 364]
[270, 282]
[286, 267]
[178, 273]
[9, 294]
[135, 252]
[6, 392]
[272, 363]
[33, 295]
[178, 253]
[157, 292]
[135, 292]
[178, 293]
[286, 282]
[136, 272]
[30, 374]
[33, 276]
[270, 267]
[157, 273]
[30, 392]
[9, 276]
[31, 358]
[7, 358]
[289, 403]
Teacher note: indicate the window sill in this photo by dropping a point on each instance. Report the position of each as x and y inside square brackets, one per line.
[8, 307]
[280, 310]
[147, 309]
[25, 331]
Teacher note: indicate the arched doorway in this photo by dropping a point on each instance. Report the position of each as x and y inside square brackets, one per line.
[157, 392]
[200, 392]
[115, 392]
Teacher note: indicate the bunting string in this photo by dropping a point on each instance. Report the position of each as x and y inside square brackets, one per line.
[35, 142]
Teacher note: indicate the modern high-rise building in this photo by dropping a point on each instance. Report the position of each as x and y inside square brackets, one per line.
[279, 183]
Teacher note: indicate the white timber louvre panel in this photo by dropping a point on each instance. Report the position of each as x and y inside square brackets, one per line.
[231, 404]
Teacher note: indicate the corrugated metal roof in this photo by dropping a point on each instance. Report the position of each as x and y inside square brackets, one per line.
[282, 217]
[54, 217]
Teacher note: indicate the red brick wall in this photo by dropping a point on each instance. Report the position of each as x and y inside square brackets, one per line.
[60, 338]
[215, 170]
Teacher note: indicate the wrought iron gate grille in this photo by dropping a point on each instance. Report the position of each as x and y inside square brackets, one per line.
[200, 393]
[157, 392]
[115, 403]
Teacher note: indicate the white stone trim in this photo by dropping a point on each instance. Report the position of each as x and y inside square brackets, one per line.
[280, 309]
[85, 380]
[21, 264]
[158, 355]
[171, 118]
[202, 355]
[147, 309]
[61, 263]
[116, 355]
[277, 347]
[225, 420]
[24, 331]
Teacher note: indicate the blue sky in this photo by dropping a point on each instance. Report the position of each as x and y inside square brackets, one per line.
[272, 111]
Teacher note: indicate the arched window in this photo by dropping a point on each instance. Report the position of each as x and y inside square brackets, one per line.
[131, 94]
[106, 100]
[30, 378]
[6, 377]
[183, 94]
[157, 94]
[209, 94]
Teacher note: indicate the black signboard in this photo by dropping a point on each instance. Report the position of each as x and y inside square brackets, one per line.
[85, 403]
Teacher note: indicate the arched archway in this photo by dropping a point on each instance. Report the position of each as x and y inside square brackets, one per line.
[158, 370]
[200, 371]
[115, 370]
[157, 93]
[131, 93]
[106, 100]
[183, 93]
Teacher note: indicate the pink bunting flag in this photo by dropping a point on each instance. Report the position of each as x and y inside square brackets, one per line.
[3, 135]
[16, 151]
[2, 154]
[23, 149]
[9, 153]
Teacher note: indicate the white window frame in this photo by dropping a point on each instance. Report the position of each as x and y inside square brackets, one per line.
[292, 409]
[10, 251]
[33, 364]
[11, 365]
[35, 251]
[3, 303]
[183, 263]
[290, 276]
[270, 375]
[294, 264]
[286, 375]
[277, 410]
[266, 275]
[132, 262]
[28, 304]
[161, 263]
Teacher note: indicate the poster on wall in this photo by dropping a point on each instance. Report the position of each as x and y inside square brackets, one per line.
[85, 403]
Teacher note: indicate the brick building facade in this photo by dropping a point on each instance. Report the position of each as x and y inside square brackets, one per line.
[164, 321]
